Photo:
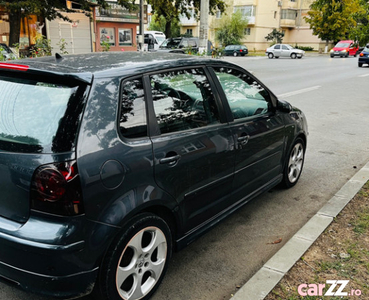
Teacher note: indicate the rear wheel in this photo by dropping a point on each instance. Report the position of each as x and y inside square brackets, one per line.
[235, 54]
[360, 65]
[137, 260]
[294, 164]
[270, 55]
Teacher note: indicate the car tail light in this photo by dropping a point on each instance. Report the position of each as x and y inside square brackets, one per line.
[240, 50]
[361, 54]
[56, 189]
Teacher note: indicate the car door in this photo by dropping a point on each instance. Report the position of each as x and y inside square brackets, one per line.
[193, 148]
[286, 52]
[277, 50]
[258, 131]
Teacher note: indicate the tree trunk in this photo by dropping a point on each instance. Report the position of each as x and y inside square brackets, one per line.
[14, 24]
[168, 26]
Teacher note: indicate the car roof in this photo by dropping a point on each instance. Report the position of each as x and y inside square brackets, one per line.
[104, 64]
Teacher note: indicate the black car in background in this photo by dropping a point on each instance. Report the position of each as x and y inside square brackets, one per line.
[236, 50]
[110, 161]
[364, 56]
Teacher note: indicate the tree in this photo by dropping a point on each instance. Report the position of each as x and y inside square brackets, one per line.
[231, 30]
[275, 36]
[47, 9]
[332, 20]
[171, 10]
[361, 32]
[158, 23]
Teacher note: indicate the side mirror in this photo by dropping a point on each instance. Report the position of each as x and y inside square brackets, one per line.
[284, 106]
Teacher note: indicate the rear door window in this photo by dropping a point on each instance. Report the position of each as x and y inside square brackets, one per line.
[31, 113]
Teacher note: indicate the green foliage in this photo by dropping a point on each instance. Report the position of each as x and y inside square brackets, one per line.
[305, 48]
[42, 46]
[231, 30]
[105, 45]
[62, 46]
[171, 10]
[360, 33]
[333, 20]
[275, 36]
[158, 23]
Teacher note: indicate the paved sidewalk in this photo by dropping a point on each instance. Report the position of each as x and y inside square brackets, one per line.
[259, 286]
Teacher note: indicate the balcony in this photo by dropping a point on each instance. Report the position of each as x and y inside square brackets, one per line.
[289, 4]
[287, 23]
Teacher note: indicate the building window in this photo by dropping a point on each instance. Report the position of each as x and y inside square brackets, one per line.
[218, 14]
[289, 14]
[189, 32]
[107, 35]
[247, 31]
[125, 36]
[246, 10]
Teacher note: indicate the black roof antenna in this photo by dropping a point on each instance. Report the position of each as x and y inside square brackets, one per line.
[58, 57]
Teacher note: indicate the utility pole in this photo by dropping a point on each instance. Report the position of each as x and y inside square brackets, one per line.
[141, 36]
[203, 37]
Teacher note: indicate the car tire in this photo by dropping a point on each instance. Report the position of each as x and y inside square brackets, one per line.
[270, 55]
[299, 57]
[347, 54]
[293, 55]
[294, 164]
[136, 261]
[277, 57]
[332, 56]
[360, 65]
[235, 54]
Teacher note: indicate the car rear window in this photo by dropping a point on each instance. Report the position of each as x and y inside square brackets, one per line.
[31, 113]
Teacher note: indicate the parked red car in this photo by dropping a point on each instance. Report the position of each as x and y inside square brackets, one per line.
[345, 49]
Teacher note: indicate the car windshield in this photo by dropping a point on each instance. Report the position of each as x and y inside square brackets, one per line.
[342, 45]
[5, 48]
[170, 43]
[160, 39]
[30, 113]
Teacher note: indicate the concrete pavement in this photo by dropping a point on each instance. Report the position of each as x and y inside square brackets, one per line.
[259, 286]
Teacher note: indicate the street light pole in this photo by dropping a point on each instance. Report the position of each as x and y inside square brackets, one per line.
[203, 36]
[141, 36]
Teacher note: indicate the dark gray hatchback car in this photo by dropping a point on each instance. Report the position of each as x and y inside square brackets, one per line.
[110, 161]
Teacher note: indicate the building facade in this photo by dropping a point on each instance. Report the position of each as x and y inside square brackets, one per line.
[263, 16]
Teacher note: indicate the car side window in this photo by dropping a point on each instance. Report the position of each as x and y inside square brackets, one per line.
[183, 100]
[277, 47]
[132, 120]
[284, 47]
[246, 97]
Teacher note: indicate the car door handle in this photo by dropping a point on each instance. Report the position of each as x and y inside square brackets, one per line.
[170, 160]
[243, 139]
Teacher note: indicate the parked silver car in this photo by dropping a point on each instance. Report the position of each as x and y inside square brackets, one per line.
[284, 50]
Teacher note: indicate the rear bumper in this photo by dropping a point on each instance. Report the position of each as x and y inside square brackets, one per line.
[71, 286]
[56, 257]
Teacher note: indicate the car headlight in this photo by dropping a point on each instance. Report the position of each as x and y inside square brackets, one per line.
[332, 50]
[344, 50]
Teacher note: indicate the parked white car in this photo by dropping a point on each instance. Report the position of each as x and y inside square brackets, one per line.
[284, 50]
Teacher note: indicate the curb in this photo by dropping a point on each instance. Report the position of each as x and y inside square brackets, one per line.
[260, 285]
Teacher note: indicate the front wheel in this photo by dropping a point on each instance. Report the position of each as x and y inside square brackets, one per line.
[294, 164]
[137, 260]
[293, 55]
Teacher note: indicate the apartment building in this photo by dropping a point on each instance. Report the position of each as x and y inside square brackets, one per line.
[263, 16]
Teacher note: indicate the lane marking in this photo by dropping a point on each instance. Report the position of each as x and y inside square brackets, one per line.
[365, 75]
[313, 88]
